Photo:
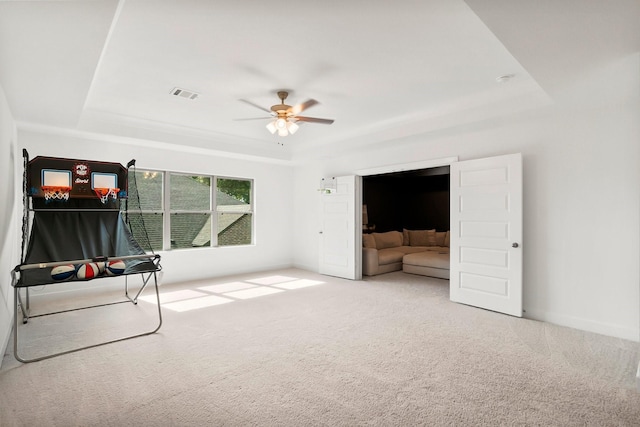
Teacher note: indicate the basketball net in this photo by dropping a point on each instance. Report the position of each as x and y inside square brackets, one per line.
[54, 192]
[105, 193]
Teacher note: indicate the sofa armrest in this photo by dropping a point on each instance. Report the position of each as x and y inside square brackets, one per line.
[369, 261]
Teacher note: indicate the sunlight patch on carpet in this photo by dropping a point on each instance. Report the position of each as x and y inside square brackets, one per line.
[169, 297]
[271, 280]
[223, 293]
[227, 287]
[253, 293]
[193, 304]
[298, 284]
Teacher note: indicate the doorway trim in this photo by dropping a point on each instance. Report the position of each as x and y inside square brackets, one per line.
[402, 167]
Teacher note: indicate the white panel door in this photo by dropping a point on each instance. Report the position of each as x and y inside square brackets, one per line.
[338, 237]
[486, 233]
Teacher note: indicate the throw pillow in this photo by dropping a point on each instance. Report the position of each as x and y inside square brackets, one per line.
[405, 237]
[431, 237]
[390, 239]
[368, 241]
[422, 237]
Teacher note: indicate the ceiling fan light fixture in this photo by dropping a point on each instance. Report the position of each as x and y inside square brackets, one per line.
[271, 127]
[284, 117]
[281, 123]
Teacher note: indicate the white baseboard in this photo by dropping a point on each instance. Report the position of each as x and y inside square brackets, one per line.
[609, 329]
[5, 333]
[301, 266]
[4, 344]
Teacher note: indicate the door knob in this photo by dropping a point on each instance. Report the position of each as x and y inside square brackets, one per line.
[514, 245]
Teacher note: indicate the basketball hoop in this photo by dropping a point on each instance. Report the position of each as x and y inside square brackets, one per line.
[54, 192]
[105, 193]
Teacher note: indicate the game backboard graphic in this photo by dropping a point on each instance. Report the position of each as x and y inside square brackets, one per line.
[81, 177]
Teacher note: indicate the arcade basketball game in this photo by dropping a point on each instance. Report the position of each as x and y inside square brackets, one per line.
[74, 229]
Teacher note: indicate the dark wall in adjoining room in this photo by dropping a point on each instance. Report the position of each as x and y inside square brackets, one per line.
[415, 200]
[381, 196]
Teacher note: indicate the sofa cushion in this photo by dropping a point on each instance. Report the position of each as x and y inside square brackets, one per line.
[422, 237]
[390, 239]
[441, 249]
[427, 259]
[368, 241]
[447, 239]
[411, 249]
[440, 237]
[389, 256]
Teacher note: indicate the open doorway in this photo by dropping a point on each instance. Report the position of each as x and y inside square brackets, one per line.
[406, 219]
[415, 200]
[485, 239]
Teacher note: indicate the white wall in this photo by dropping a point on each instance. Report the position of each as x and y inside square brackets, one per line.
[581, 196]
[10, 222]
[272, 201]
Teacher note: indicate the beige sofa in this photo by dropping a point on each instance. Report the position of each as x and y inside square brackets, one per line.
[424, 252]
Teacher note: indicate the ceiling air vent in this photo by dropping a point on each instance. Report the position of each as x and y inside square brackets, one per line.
[183, 93]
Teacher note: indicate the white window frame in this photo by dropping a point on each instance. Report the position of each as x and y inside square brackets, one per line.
[166, 211]
[167, 205]
[214, 221]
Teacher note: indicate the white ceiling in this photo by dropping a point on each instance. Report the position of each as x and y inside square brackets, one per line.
[379, 68]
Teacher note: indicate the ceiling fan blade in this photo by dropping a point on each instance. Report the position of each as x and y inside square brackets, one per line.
[254, 118]
[297, 109]
[255, 105]
[314, 120]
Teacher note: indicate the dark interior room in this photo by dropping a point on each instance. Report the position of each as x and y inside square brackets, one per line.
[415, 200]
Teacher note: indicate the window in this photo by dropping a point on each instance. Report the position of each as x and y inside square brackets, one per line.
[182, 211]
[190, 203]
[145, 208]
[233, 210]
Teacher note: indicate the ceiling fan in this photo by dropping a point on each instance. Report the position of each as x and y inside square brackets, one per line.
[284, 117]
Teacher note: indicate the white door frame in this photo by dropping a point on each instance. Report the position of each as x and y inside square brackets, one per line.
[402, 167]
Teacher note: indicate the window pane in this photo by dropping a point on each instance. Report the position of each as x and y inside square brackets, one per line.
[146, 229]
[190, 230]
[145, 191]
[190, 193]
[233, 194]
[234, 229]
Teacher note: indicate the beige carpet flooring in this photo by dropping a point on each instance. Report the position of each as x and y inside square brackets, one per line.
[293, 348]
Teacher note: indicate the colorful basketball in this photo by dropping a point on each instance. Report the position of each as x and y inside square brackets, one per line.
[101, 266]
[88, 271]
[63, 272]
[115, 267]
